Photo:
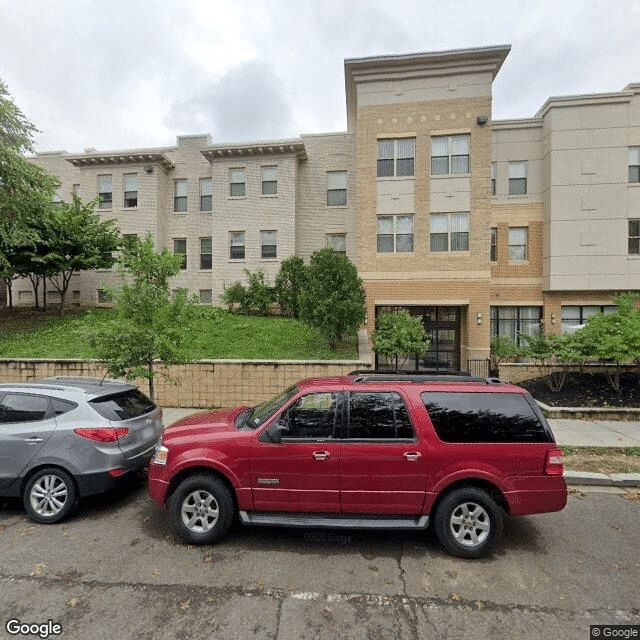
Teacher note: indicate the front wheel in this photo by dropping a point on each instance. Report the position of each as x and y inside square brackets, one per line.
[468, 522]
[201, 509]
[49, 496]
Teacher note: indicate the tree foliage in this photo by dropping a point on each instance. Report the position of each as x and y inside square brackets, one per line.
[289, 283]
[148, 322]
[257, 296]
[502, 348]
[15, 130]
[332, 299]
[399, 334]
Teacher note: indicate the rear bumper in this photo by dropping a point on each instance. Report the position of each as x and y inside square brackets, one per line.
[92, 483]
[527, 502]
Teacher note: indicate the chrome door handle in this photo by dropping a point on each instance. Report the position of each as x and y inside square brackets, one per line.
[413, 456]
[33, 440]
[321, 455]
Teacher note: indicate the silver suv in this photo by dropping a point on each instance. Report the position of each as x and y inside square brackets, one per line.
[65, 438]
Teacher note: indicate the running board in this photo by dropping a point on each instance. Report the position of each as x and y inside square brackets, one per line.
[331, 521]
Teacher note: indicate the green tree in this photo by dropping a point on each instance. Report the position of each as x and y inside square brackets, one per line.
[77, 239]
[15, 130]
[289, 284]
[148, 323]
[613, 338]
[502, 348]
[257, 296]
[399, 334]
[332, 299]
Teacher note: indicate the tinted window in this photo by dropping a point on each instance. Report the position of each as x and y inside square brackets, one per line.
[62, 406]
[18, 407]
[484, 417]
[378, 416]
[123, 406]
[312, 416]
[260, 414]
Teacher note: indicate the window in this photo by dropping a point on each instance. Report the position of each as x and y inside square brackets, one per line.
[395, 234]
[494, 244]
[236, 183]
[574, 317]
[268, 242]
[634, 237]
[484, 417]
[57, 196]
[517, 178]
[311, 417]
[206, 194]
[76, 189]
[396, 158]
[634, 164]
[105, 191]
[518, 243]
[180, 196]
[123, 406]
[338, 241]
[510, 321]
[378, 416]
[180, 248]
[205, 296]
[450, 154]
[269, 181]
[104, 297]
[205, 253]
[236, 245]
[494, 173]
[19, 407]
[130, 190]
[449, 232]
[336, 188]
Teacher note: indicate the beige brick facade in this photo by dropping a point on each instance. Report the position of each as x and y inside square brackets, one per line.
[561, 182]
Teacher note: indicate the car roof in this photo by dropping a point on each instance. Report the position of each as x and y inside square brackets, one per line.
[91, 387]
[426, 382]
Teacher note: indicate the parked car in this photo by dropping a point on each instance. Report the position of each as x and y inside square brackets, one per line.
[65, 438]
[365, 451]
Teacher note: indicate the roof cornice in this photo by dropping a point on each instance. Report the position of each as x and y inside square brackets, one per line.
[249, 149]
[584, 101]
[140, 156]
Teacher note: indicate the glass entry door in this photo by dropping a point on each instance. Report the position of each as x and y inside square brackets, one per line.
[442, 325]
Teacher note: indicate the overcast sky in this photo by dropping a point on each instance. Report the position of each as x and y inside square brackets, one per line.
[136, 73]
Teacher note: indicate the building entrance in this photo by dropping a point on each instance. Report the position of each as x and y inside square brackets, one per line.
[442, 325]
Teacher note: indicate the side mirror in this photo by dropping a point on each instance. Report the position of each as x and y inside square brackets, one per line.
[274, 432]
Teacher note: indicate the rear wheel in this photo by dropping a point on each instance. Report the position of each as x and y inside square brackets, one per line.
[201, 509]
[468, 522]
[49, 496]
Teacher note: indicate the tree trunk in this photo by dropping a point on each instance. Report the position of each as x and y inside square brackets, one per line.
[151, 382]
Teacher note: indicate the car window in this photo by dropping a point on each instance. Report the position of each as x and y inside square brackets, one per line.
[62, 406]
[123, 406]
[21, 407]
[484, 417]
[263, 412]
[312, 416]
[378, 416]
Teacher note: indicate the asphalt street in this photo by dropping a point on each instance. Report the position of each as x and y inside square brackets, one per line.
[115, 570]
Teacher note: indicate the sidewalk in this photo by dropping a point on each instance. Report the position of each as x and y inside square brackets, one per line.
[575, 433]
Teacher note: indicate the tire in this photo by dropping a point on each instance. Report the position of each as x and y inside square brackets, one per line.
[49, 495]
[468, 522]
[201, 509]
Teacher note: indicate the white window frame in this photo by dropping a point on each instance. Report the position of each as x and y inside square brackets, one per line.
[206, 195]
[515, 244]
[395, 150]
[457, 228]
[634, 164]
[634, 237]
[204, 254]
[269, 180]
[105, 181]
[518, 178]
[180, 201]
[179, 251]
[395, 234]
[237, 182]
[271, 247]
[234, 242]
[448, 148]
[336, 188]
[130, 195]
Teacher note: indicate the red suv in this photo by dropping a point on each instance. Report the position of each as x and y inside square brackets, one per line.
[365, 451]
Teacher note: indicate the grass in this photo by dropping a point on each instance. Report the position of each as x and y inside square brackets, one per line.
[602, 459]
[216, 334]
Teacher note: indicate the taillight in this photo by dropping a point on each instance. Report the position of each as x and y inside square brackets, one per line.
[106, 434]
[553, 465]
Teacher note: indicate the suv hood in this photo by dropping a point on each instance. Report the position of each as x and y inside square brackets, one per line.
[213, 421]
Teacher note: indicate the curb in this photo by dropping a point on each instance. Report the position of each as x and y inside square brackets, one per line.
[602, 479]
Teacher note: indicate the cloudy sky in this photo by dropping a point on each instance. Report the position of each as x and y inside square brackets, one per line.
[135, 73]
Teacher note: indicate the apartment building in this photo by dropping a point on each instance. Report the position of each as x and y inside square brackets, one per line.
[480, 227]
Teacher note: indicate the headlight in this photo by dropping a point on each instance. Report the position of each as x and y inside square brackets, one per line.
[160, 455]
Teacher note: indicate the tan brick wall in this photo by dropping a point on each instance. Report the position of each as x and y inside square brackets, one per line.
[211, 383]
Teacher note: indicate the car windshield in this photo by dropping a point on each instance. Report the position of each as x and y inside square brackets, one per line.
[264, 411]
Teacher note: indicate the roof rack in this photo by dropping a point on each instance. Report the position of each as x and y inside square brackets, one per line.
[374, 375]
